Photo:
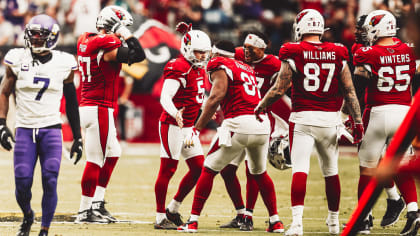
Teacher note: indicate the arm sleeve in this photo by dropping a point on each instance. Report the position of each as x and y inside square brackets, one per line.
[72, 109]
[170, 87]
[134, 53]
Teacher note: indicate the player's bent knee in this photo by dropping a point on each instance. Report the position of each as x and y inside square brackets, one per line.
[23, 171]
[52, 165]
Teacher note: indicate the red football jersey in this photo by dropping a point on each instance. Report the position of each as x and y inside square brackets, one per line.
[242, 95]
[392, 68]
[266, 71]
[191, 92]
[355, 47]
[318, 67]
[99, 78]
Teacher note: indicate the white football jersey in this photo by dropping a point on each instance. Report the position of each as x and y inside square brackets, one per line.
[39, 87]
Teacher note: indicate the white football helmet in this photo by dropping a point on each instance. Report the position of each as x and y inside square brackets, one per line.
[308, 21]
[195, 40]
[115, 12]
[380, 24]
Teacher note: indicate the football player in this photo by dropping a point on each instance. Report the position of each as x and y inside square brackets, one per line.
[388, 66]
[39, 76]
[234, 88]
[100, 56]
[266, 68]
[181, 98]
[317, 72]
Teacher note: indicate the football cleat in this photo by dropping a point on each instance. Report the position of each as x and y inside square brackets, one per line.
[174, 217]
[189, 227]
[25, 227]
[247, 224]
[43, 232]
[99, 210]
[412, 225]
[276, 227]
[88, 217]
[365, 227]
[295, 230]
[393, 211]
[235, 222]
[165, 224]
[333, 226]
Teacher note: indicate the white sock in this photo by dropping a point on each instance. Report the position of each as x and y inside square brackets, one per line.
[99, 194]
[412, 206]
[332, 215]
[241, 211]
[194, 218]
[174, 206]
[392, 193]
[297, 213]
[248, 213]
[160, 217]
[274, 218]
[370, 213]
[85, 203]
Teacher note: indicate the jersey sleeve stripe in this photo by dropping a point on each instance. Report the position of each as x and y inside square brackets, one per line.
[344, 65]
[228, 71]
[8, 62]
[292, 64]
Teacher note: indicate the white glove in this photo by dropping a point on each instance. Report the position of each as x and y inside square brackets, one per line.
[189, 139]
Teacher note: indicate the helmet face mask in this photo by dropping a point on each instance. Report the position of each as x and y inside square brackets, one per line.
[115, 12]
[41, 34]
[308, 21]
[196, 41]
[279, 154]
[379, 24]
[360, 34]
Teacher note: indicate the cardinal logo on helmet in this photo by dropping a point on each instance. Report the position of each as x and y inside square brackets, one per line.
[300, 16]
[187, 39]
[119, 14]
[376, 19]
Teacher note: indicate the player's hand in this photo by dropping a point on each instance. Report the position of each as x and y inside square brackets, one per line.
[183, 28]
[179, 119]
[6, 137]
[358, 132]
[257, 111]
[349, 123]
[115, 26]
[189, 139]
[76, 150]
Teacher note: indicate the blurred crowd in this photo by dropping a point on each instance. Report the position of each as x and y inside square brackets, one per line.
[223, 19]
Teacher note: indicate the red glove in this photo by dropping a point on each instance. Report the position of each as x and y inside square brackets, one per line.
[358, 132]
[183, 28]
[349, 123]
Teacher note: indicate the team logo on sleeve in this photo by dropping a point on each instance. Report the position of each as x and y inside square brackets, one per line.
[376, 19]
[300, 16]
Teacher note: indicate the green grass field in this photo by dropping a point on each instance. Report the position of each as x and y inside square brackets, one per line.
[130, 197]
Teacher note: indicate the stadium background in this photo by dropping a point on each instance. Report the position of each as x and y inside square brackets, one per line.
[154, 24]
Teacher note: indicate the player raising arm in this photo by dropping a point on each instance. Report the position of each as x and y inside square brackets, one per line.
[100, 56]
[320, 77]
[40, 76]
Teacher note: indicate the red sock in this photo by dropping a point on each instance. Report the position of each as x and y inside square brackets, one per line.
[333, 191]
[251, 189]
[202, 190]
[298, 191]
[407, 186]
[106, 171]
[166, 171]
[195, 165]
[232, 185]
[90, 179]
[268, 193]
[363, 182]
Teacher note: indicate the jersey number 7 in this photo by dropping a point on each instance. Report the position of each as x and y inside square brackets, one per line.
[46, 82]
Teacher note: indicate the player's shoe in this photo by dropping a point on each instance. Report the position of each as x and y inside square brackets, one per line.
[247, 224]
[235, 222]
[412, 225]
[165, 224]
[174, 217]
[365, 227]
[189, 227]
[393, 211]
[100, 210]
[25, 227]
[333, 226]
[295, 230]
[88, 217]
[43, 232]
[276, 227]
